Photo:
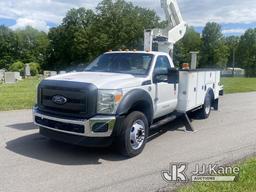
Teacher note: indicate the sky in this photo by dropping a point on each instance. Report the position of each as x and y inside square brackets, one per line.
[235, 16]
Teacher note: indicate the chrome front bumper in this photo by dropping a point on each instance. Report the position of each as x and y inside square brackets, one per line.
[86, 123]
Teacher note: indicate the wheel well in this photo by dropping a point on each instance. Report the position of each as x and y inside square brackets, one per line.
[143, 107]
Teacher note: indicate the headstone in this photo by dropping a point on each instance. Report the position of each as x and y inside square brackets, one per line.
[62, 72]
[10, 77]
[27, 70]
[46, 74]
[2, 75]
[53, 73]
[17, 76]
[49, 73]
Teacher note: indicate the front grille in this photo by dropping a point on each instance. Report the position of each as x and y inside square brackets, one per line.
[76, 100]
[81, 98]
[59, 125]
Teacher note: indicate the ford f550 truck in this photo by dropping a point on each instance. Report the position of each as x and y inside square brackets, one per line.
[119, 97]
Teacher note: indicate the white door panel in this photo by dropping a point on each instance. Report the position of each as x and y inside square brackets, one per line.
[165, 99]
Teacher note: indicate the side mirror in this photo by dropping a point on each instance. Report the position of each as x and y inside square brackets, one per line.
[161, 75]
[173, 76]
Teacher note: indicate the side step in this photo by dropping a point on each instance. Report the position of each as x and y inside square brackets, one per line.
[184, 117]
[163, 121]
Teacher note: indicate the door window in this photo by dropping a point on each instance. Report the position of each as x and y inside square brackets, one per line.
[163, 66]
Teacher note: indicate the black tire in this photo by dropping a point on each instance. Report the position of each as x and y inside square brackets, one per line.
[124, 141]
[205, 111]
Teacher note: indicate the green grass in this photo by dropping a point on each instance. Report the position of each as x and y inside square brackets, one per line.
[21, 95]
[245, 183]
[239, 85]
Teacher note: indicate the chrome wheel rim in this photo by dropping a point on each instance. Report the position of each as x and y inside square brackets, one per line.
[137, 134]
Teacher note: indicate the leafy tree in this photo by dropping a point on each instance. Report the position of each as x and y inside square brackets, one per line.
[232, 44]
[23, 45]
[214, 52]
[121, 24]
[85, 34]
[182, 49]
[8, 46]
[72, 40]
[34, 68]
[32, 45]
[247, 52]
[18, 66]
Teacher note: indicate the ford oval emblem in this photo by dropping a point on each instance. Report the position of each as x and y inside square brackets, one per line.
[59, 100]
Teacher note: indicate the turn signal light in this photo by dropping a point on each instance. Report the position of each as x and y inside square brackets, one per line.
[118, 98]
[185, 66]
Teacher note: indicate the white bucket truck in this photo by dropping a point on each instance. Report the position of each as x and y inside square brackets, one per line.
[122, 94]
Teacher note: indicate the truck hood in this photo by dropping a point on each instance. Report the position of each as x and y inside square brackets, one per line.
[102, 80]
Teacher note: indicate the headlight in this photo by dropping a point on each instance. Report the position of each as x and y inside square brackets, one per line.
[108, 101]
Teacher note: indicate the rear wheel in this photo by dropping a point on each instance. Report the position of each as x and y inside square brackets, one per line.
[134, 134]
[205, 111]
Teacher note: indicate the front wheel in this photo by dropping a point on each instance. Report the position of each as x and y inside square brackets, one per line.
[134, 134]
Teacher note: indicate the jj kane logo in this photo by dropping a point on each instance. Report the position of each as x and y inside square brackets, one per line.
[201, 173]
[176, 173]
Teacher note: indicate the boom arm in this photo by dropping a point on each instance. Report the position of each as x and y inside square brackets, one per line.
[166, 38]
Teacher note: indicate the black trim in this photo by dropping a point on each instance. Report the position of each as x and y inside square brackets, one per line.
[134, 97]
[149, 82]
[76, 139]
[216, 104]
[221, 93]
[60, 125]
[81, 98]
[60, 116]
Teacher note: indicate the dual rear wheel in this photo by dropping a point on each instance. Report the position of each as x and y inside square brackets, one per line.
[205, 111]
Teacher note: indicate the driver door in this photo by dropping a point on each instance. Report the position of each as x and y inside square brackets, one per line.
[165, 100]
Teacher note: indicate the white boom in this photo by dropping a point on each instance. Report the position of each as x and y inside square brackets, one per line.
[166, 38]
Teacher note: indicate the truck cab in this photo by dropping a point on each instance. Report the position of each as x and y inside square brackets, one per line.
[116, 84]
[115, 101]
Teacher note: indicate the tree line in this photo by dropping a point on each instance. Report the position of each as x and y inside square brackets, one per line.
[217, 51]
[84, 34]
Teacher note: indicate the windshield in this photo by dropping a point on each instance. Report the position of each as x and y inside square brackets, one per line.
[129, 63]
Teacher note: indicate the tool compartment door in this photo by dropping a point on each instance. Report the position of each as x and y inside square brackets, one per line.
[210, 77]
[187, 91]
[192, 90]
[200, 88]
